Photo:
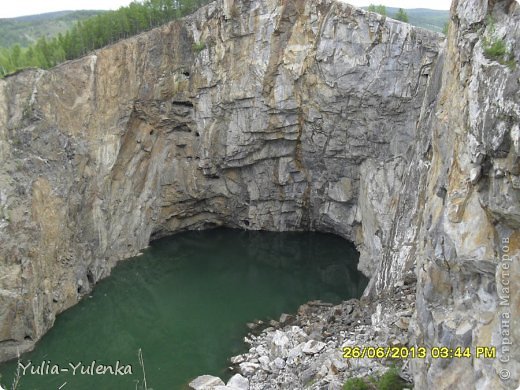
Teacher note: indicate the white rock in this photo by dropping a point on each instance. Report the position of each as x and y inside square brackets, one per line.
[238, 359]
[295, 355]
[279, 344]
[261, 350]
[205, 382]
[312, 347]
[298, 332]
[279, 363]
[296, 351]
[238, 382]
[474, 175]
[376, 318]
[264, 362]
[248, 368]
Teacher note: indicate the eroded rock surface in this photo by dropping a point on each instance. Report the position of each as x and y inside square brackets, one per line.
[290, 111]
[467, 221]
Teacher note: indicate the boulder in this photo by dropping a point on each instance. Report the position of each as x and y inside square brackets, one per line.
[206, 382]
[238, 382]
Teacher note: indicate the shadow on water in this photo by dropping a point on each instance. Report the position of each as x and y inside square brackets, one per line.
[185, 303]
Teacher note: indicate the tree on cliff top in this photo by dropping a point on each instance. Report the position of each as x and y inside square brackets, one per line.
[96, 32]
[380, 9]
[401, 15]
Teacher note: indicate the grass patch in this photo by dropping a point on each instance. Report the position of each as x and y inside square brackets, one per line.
[497, 51]
[495, 48]
[199, 46]
[390, 380]
[355, 384]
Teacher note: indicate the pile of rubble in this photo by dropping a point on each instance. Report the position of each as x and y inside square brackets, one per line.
[305, 351]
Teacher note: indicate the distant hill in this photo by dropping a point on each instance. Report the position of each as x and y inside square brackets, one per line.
[26, 30]
[87, 35]
[421, 17]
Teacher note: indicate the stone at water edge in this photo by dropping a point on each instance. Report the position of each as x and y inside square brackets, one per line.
[286, 318]
[205, 382]
[238, 359]
[248, 369]
[238, 382]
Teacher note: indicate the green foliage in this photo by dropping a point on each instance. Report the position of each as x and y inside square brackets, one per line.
[26, 30]
[355, 384]
[430, 19]
[390, 380]
[380, 9]
[96, 32]
[495, 48]
[401, 15]
[445, 28]
[199, 46]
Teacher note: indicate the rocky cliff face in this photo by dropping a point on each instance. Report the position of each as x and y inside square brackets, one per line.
[466, 219]
[275, 115]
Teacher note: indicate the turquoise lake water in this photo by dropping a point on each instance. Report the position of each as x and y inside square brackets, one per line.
[185, 304]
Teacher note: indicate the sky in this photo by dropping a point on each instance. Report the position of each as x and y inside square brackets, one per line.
[13, 8]
[10, 9]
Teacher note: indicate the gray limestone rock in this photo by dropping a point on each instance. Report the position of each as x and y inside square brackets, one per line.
[206, 382]
[238, 382]
[312, 347]
[248, 369]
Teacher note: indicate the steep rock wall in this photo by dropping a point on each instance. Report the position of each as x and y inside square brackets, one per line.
[461, 224]
[294, 115]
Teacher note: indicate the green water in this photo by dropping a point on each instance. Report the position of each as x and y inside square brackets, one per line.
[185, 303]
